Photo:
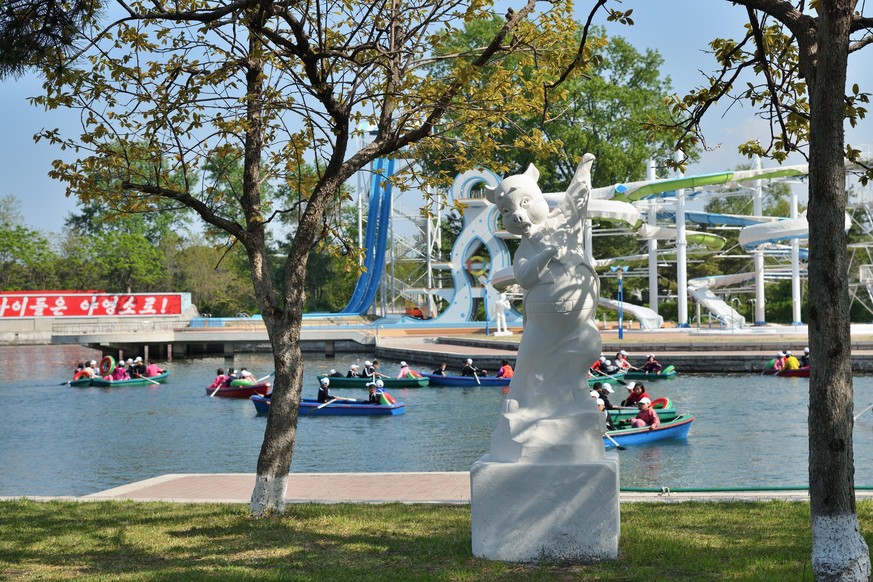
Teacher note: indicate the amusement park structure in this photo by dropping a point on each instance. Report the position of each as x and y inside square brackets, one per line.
[459, 290]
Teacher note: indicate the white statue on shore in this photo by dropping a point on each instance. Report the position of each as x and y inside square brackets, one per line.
[547, 452]
[500, 306]
[560, 298]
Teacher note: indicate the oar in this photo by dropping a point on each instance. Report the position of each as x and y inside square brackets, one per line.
[320, 406]
[150, 380]
[618, 446]
[619, 380]
[475, 375]
[216, 390]
[863, 411]
[259, 380]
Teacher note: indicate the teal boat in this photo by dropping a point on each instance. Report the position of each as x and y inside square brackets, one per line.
[342, 382]
[665, 374]
[142, 381]
[617, 378]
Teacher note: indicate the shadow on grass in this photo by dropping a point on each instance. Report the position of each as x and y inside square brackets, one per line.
[163, 541]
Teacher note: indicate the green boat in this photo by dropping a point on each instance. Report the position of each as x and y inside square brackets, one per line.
[665, 374]
[616, 378]
[143, 381]
[342, 382]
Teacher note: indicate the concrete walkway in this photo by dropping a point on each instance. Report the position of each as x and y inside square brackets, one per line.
[446, 487]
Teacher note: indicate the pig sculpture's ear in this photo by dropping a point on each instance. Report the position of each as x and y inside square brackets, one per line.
[493, 194]
[532, 173]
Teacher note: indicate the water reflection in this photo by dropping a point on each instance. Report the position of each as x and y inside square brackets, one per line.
[56, 440]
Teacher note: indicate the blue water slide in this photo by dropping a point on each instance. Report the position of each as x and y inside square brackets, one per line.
[375, 240]
[383, 227]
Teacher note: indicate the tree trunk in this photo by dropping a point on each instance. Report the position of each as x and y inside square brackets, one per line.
[838, 549]
[274, 461]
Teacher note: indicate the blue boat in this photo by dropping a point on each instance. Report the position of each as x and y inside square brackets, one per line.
[674, 429]
[339, 407]
[465, 381]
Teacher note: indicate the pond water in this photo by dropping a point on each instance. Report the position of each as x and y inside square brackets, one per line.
[750, 431]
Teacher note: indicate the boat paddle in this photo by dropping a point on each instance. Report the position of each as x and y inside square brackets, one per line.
[862, 412]
[618, 446]
[150, 380]
[475, 375]
[214, 392]
[320, 406]
[619, 380]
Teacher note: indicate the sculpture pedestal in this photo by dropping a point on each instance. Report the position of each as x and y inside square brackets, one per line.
[527, 512]
[502, 333]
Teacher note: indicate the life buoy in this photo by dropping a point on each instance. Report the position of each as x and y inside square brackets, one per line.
[388, 399]
[107, 365]
[241, 382]
[81, 375]
[662, 403]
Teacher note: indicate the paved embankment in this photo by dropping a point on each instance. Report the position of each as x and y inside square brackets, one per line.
[445, 487]
[693, 352]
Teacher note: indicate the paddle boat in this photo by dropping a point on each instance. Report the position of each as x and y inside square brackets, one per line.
[138, 381]
[674, 429]
[338, 407]
[243, 390]
[796, 373]
[80, 382]
[663, 406]
[464, 381]
[361, 383]
[665, 374]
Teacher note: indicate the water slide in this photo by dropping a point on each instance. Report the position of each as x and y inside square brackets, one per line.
[376, 239]
[700, 291]
[375, 243]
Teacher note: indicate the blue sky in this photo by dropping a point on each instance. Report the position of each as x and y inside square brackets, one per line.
[679, 29]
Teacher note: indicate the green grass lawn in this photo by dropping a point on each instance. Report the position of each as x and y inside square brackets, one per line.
[61, 540]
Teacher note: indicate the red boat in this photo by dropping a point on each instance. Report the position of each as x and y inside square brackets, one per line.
[245, 391]
[798, 373]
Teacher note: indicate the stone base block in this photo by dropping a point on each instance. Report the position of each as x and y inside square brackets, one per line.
[528, 512]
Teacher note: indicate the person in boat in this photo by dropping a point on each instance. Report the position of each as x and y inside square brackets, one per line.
[334, 374]
[603, 391]
[601, 406]
[220, 377]
[804, 359]
[138, 369]
[646, 416]
[404, 372]
[608, 368]
[595, 368]
[231, 376]
[375, 392]
[354, 371]
[91, 369]
[505, 370]
[324, 394]
[120, 373]
[441, 370]
[636, 392]
[622, 363]
[779, 361]
[791, 362]
[153, 369]
[376, 371]
[469, 369]
[652, 366]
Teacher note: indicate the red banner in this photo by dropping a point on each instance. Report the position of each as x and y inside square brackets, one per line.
[73, 304]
